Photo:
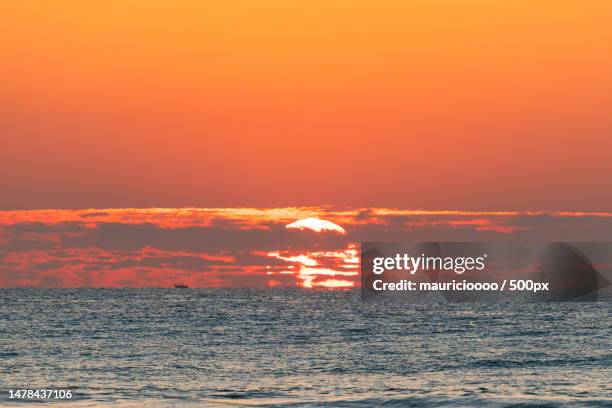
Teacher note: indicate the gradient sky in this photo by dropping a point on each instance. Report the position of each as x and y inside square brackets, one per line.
[412, 104]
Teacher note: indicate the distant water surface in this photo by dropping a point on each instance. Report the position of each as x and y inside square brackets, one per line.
[299, 348]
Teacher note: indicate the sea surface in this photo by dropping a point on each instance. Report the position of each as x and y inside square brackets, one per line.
[300, 348]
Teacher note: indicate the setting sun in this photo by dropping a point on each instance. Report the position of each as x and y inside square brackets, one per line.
[316, 224]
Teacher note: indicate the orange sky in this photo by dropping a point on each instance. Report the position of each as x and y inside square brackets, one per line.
[414, 104]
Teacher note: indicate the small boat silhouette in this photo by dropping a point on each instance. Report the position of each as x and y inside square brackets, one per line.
[180, 285]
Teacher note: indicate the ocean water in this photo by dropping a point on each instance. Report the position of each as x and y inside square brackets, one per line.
[298, 348]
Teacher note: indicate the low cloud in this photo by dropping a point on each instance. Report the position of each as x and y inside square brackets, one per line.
[231, 247]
